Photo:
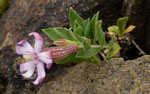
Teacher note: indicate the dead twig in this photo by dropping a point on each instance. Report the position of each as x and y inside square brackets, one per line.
[137, 46]
[103, 55]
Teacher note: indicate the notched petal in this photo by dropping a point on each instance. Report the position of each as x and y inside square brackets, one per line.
[36, 35]
[24, 47]
[38, 41]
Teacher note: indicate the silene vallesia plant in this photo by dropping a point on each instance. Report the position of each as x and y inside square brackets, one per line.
[84, 41]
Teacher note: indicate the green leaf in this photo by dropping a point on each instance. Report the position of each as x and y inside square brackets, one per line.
[78, 29]
[99, 34]
[86, 43]
[113, 29]
[113, 39]
[86, 23]
[73, 16]
[121, 23]
[86, 27]
[76, 24]
[89, 53]
[78, 37]
[113, 51]
[72, 58]
[95, 59]
[60, 33]
[92, 26]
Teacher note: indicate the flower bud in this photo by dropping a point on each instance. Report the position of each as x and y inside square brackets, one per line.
[64, 42]
[58, 53]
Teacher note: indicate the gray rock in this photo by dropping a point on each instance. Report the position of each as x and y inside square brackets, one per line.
[114, 76]
[27, 16]
[24, 16]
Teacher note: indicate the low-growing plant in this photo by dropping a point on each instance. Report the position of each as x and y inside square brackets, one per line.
[84, 41]
[90, 38]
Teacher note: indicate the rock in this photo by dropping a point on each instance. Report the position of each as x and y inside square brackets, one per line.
[138, 13]
[4, 4]
[23, 17]
[26, 16]
[114, 76]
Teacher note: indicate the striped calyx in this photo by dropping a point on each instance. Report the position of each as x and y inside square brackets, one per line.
[64, 42]
[58, 53]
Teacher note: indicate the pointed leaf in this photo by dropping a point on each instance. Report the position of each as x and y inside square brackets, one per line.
[86, 27]
[78, 29]
[129, 29]
[73, 16]
[99, 34]
[91, 32]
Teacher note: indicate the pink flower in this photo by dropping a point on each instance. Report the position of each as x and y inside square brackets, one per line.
[38, 56]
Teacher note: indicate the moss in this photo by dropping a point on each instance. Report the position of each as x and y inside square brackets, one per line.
[3, 6]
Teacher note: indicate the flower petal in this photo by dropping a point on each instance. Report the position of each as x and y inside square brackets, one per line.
[38, 41]
[45, 54]
[46, 58]
[41, 73]
[47, 61]
[36, 35]
[24, 47]
[27, 66]
[28, 73]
